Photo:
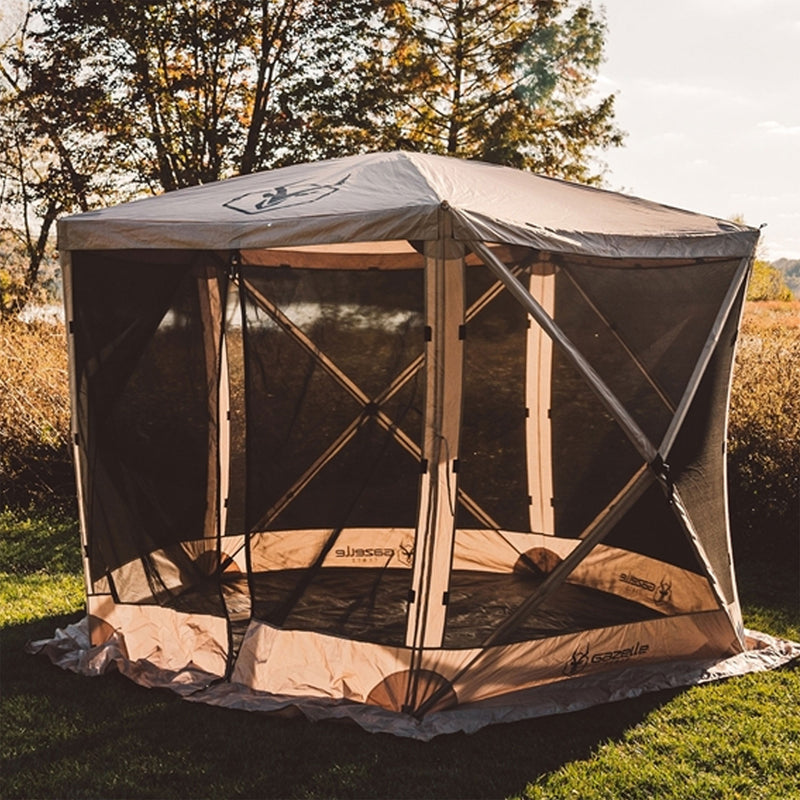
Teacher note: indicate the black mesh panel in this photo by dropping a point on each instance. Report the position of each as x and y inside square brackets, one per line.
[322, 352]
[146, 360]
[492, 468]
[662, 315]
[697, 458]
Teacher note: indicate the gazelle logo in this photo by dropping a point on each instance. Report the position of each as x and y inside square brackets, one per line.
[634, 580]
[578, 661]
[582, 657]
[663, 592]
[292, 194]
[405, 553]
[357, 553]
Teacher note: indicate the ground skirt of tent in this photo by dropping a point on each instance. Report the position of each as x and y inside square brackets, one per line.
[71, 649]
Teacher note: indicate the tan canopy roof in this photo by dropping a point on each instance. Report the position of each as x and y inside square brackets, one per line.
[391, 196]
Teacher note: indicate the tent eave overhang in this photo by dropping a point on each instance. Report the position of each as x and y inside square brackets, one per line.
[84, 232]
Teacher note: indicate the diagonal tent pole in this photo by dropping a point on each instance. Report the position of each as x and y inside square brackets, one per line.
[353, 389]
[301, 338]
[654, 385]
[297, 487]
[679, 412]
[652, 457]
[349, 385]
[629, 426]
[589, 537]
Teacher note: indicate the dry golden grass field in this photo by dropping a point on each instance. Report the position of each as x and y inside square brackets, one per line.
[764, 428]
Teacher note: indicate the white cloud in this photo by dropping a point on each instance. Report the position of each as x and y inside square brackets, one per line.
[778, 128]
[678, 89]
[710, 108]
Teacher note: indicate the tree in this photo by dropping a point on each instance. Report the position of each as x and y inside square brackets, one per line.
[186, 92]
[502, 81]
[101, 101]
[45, 171]
[767, 283]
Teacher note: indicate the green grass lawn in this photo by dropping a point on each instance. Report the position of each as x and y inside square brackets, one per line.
[67, 736]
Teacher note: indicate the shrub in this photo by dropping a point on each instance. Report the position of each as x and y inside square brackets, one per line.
[764, 427]
[12, 289]
[767, 283]
[35, 458]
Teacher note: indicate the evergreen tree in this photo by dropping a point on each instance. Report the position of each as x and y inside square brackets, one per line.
[501, 81]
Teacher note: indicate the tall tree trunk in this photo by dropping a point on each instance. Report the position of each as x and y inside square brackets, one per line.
[454, 126]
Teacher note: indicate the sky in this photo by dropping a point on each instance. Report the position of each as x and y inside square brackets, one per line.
[708, 92]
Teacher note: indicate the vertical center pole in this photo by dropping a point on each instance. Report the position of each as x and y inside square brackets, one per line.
[444, 311]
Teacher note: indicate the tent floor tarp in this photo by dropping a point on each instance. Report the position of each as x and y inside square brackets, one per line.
[70, 649]
[335, 604]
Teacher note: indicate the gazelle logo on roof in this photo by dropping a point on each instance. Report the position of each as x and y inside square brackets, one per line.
[292, 194]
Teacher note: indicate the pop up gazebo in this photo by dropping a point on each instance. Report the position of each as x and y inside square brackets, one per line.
[417, 440]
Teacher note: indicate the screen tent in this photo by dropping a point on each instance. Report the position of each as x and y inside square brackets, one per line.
[421, 441]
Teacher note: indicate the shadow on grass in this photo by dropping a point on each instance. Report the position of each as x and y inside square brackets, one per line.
[767, 557]
[70, 736]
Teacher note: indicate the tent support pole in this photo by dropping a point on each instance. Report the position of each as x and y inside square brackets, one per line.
[78, 456]
[435, 530]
